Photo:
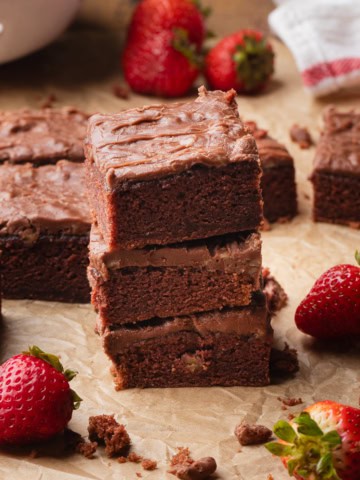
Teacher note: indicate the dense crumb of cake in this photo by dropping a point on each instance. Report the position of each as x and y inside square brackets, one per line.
[275, 294]
[105, 429]
[148, 464]
[284, 362]
[290, 402]
[301, 136]
[87, 449]
[185, 468]
[134, 457]
[252, 434]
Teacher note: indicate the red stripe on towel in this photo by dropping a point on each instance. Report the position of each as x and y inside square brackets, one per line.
[313, 75]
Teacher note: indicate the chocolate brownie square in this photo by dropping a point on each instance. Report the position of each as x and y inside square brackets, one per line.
[42, 136]
[44, 232]
[179, 279]
[336, 173]
[226, 347]
[278, 180]
[170, 173]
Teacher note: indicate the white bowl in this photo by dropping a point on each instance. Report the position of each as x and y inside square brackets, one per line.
[27, 25]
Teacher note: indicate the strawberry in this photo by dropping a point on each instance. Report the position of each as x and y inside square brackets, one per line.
[323, 442]
[243, 61]
[36, 401]
[332, 307]
[162, 48]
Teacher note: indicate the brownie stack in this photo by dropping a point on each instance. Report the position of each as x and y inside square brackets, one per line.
[175, 253]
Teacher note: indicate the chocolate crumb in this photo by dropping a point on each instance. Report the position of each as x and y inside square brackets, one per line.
[283, 407]
[121, 91]
[138, 474]
[148, 464]
[255, 130]
[185, 468]
[301, 136]
[290, 417]
[270, 477]
[284, 362]
[34, 453]
[122, 459]
[290, 402]
[275, 294]
[134, 457]
[105, 429]
[48, 101]
[252, 434]
[87, 449]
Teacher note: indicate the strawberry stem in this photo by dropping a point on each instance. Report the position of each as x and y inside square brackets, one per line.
[254, 62]
[357, 257]
[54, 361]
[306, 449]
[182, 44]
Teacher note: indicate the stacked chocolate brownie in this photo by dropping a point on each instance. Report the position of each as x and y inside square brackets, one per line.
[44, 214]
[175, 253]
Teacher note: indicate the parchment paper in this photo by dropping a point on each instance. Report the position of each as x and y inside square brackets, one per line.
[203, 419]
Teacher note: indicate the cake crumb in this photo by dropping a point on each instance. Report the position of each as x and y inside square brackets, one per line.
[148, 464]
[290, 417]
[105, 429]
[252, 434]
[290, 402]
[270, 477]
[121, 91]
[284, 362]
[87, 449]
[122, 459]
[301, 136]
[134, 457]
[138, 474]
[275, 294]
[185, 468]
[48, 101]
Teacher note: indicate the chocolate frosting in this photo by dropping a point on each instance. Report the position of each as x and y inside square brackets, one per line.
[159, 140]
[42, 136]
[49, 199]
[252, 320]
[271, 152]
[338, 149]
[239, 253]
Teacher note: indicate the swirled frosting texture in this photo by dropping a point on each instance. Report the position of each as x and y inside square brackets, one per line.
[42, 136]
[161, 140]
[338, 149]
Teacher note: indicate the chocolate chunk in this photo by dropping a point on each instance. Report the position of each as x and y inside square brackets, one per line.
[199, 470]
[252, 434]
[301, 136]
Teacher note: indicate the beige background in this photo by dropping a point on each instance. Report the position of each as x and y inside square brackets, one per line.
[80, 69]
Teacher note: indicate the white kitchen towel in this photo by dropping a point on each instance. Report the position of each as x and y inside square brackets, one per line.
[324, 37]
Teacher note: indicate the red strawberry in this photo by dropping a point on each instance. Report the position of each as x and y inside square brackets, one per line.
[332, 308]
[36, 401]
[321, 443]
[243, 61]
[164, 40]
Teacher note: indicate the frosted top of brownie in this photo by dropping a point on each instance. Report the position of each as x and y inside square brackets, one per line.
[160, 140]
[42, 136]
[237, 253]
[48, 199]
[271, 152]
[338, 150]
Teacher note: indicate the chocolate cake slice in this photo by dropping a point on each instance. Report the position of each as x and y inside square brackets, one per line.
[171, 173]
[134, 285]
[278, 181]
[226, 347]
[44, 232]
[336, 173]
[42, 136]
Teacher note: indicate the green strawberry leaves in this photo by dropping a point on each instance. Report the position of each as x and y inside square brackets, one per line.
[54, 361]
[306, 450]
[357, 257]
